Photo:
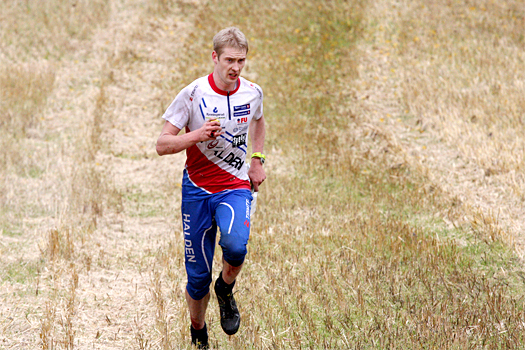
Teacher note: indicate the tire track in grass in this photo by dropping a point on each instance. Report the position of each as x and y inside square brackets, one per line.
[101, 119]
[351, 192]
[426, 88]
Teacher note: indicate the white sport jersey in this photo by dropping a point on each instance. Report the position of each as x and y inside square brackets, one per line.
[220, 164]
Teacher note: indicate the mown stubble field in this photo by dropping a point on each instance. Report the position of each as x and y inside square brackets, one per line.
[392, 217]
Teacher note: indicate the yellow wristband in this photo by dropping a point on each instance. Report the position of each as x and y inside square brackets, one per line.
[260, 156]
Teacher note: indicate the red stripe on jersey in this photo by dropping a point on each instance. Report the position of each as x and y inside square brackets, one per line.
[208, 175]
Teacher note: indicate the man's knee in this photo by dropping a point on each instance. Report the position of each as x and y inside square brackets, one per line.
[235, 254]
[198, 286]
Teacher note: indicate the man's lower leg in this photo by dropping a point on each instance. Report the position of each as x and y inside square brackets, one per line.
[230, 317]
[199, 337]
[199, 332]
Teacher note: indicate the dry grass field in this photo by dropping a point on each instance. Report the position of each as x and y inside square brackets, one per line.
[393, 216]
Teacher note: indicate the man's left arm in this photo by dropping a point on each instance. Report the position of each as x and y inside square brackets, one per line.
[257, 134]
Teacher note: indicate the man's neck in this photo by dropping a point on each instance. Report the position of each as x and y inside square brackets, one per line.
[219, 83]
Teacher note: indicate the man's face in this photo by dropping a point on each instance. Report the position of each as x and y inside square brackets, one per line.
[228, 67]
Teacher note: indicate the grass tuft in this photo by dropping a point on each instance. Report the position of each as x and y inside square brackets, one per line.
[60, 244]
[47, 29]
[25, 89]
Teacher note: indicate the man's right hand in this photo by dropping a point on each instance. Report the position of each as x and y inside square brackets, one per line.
[170, 142]
[210, 130]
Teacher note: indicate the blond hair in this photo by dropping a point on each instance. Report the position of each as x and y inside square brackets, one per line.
[229, 37]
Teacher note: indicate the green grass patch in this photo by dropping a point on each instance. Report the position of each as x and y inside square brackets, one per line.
[11, 231]
[382, 281]
[140, 203]
[22, 272]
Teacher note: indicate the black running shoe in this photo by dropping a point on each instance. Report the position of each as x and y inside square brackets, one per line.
[199, 338]
[230, 317]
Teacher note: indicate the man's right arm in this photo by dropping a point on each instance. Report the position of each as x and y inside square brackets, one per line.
[170, 142]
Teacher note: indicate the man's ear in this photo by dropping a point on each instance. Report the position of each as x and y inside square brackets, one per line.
[215, 57]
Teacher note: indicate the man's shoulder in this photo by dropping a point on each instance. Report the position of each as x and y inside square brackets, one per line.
[252, 86]
[201, 83]
[196, 87]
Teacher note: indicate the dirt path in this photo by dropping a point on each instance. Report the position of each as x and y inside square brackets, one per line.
[102, 287]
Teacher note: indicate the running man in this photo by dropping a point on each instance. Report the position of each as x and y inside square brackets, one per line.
[218, 112]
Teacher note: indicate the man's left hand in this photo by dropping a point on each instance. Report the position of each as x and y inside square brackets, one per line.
[256, 173]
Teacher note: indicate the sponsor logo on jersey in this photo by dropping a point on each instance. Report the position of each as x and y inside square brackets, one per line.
[215, 114]
[240, 128]
[238, 114]
[242, 120]
[239, 140]
[193, 92]
[258, 90]
[212, 144]
[230, 159]
[241, 108]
